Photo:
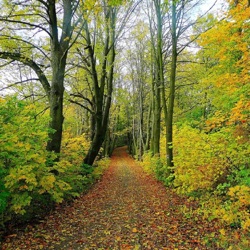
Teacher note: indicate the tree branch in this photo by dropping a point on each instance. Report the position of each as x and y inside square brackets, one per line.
[81, 105]
[26, 23]
[32, 64]
[27, 42]
[16, 83]
[82, 97]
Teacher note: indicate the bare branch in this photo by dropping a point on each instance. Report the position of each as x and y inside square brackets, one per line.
[27, 42]
[81, 105]
[41, 112]
[82, 97]
[26, 23]
[32, 64]
[16, 83]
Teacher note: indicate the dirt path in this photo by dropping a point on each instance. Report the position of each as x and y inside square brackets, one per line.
[127, 209]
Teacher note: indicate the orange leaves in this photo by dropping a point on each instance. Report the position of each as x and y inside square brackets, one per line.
[227, 43]
[241, 10]
[217, 121]
[127, 209]
[241, 111]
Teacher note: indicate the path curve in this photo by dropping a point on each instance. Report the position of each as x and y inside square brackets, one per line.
[127, 209]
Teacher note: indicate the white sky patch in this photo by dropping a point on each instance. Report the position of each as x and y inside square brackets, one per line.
[219, 7]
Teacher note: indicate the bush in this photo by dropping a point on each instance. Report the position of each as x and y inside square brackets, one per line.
[214, 169]
[26, 176]
[203, 161]
[157, 166]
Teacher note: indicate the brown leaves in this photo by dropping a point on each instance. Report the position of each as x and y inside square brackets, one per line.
[127, 209]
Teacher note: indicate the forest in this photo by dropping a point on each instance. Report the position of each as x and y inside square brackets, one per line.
[168, 78]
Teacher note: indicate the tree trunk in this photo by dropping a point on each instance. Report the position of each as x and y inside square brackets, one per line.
[95, 144]
[102, 107]
[149, 127]
[159, 78]
[169, 141]
[141, 132]
[59, 52]
[56, 104]
[157, 120]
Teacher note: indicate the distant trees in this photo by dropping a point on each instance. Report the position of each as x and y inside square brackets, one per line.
[170, 25]
[139, 77]
[97, 49]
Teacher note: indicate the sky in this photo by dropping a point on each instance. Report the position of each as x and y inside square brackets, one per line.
[219, 5]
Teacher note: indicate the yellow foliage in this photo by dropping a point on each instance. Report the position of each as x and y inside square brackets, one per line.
[74, 148]
[27, 166]
[102, 165]
[199, 159]
[241, 113]
[246, 224]
[240, 195]
[148, 163]
[47, 182]
[233, 212]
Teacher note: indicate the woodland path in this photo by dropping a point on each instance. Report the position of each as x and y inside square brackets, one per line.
[127, 209]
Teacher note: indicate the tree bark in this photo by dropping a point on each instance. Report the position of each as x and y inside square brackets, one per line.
[169, 141]
[158, 79]
[59, 51]
[102, 107]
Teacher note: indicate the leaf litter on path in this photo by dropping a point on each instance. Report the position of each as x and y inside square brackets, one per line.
[127, 209]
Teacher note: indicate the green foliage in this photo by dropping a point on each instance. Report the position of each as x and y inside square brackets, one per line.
[4, 194]
[115, 3]
[101, 166]
[157, 165]
[23, 157]
[27, 181]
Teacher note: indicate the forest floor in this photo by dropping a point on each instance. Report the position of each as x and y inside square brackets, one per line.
[126, 209]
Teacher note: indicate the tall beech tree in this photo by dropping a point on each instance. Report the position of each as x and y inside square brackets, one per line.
[171, 24]
[155, 27]
[103, 85]
[170, 112]
[39, 35]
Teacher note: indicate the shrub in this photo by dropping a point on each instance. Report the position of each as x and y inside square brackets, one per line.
[26, 176]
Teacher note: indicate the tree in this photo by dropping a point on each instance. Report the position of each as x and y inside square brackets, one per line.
[180, 21]
[98, 52]
[170, 111]
[138, 73]
[156, 75]
[101, 106]
[47, 35]
[229, 76]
